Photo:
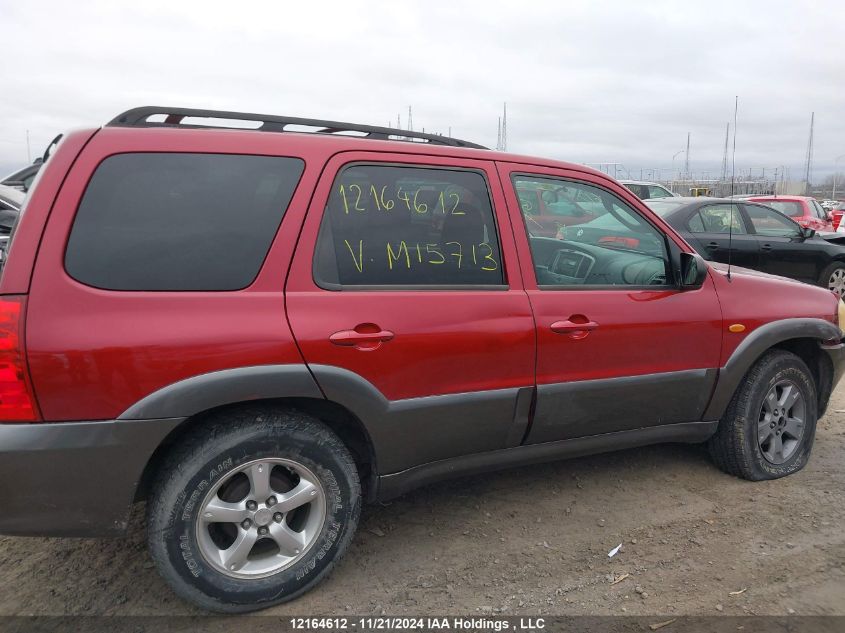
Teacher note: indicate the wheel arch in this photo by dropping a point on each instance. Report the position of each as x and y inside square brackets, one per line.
[819, 364]
[801, 336]
[837, 261]
[338, 418]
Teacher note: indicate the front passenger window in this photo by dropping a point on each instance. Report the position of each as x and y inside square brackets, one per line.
[771, 223]
[607, 243]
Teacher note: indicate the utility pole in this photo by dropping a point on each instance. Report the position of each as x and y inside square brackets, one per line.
[499, 136]
[686, 162]
[808, 166]
[28, 152]
[505, 128]
[410, 120]
[725, 155]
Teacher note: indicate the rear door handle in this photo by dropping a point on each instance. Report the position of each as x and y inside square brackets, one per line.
[766, 247]
[713, 245]
[353, 337]
[570, 327]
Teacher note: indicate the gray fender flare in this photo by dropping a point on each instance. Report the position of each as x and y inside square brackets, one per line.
[753, 346]
[206, 391]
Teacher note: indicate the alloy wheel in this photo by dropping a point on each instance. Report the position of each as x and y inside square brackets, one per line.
[780, 426]
[261, 518]
[837, 282]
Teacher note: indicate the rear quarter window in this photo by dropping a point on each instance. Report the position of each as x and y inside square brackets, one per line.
[178, 221]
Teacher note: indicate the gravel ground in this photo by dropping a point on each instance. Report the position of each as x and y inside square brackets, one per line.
[529, 541]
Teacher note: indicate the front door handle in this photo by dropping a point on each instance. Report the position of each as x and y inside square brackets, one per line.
[766, 247]
[713, 245]
[362, 335]
[574, 329]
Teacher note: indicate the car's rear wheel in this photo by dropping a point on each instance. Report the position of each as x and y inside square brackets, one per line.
[252, 509]
[833, 278]
[769, 427]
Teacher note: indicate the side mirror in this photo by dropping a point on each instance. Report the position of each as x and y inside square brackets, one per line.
[693, 271]
[807, 232]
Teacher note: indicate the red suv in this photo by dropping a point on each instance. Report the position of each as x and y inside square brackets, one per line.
[803, 209]
[258, 330]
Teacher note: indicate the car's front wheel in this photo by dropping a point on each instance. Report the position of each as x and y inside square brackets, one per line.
[833, 278]
[769, 427]
[252, 509]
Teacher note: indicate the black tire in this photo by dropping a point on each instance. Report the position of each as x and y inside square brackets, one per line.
[222, 445]
[827, 273]
[735, 448]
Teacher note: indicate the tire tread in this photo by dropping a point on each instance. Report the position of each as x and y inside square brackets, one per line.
[197, 445]
[727, 446]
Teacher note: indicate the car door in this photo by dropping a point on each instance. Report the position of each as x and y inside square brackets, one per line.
[722, 235]
[406, 300]
[619, 346]
[783, 249]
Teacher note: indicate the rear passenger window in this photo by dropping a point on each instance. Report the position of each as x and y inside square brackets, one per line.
[721, 218]
[390, 225]
[696, 224]
[168, 221]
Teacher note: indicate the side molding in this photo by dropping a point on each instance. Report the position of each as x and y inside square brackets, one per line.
[391, 486]
[415, 431]
[582, 408]
[404, 433]
[753, 346]
[206, 391]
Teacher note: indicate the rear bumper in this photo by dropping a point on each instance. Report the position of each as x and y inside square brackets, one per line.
[73, 478]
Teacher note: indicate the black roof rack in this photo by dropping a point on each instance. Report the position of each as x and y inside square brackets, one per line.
[173, 117]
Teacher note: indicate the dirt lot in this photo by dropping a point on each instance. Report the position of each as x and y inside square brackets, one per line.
[530, 541]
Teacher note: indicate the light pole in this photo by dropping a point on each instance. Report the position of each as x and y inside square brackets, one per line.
[835, 162]
[672, 185]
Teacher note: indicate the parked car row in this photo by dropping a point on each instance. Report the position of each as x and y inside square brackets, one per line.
[792, 236]
[803, 209]
[749, 234]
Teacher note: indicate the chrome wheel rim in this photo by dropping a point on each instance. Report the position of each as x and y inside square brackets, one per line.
[261, 518]
[780, 426]
[837, 281]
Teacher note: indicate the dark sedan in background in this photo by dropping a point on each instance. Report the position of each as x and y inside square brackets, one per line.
[757, 237]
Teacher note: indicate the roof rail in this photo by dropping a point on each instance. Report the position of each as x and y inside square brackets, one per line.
[173, 117]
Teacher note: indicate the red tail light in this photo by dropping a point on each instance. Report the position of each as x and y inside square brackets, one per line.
[17, 401]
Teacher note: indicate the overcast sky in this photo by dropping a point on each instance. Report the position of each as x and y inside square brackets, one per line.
[609, 81]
